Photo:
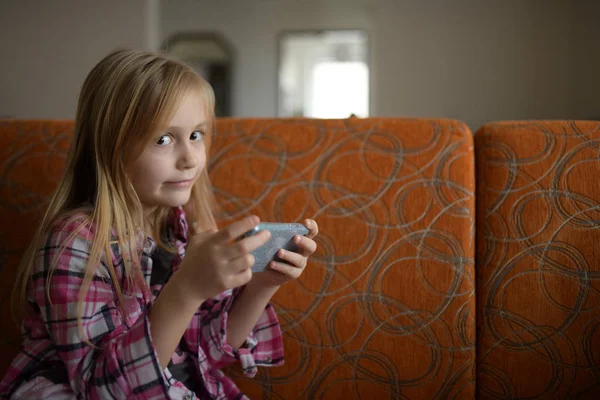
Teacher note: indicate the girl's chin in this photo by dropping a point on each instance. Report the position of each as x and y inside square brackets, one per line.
[170, 201]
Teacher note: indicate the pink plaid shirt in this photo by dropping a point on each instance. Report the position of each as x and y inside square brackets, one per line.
[55, 363]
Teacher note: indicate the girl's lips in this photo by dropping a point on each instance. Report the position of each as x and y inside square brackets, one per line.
[181, 184]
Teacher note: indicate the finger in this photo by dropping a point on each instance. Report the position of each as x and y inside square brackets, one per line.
[241, 278]
[295, 259]
[203, 236]
[237, 229]
[246, 245]
[306, 246]
[313, 228]
[194, 228]
[240, 264]
[286, 269]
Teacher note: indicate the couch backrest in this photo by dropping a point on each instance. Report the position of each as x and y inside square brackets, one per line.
[32, 158]
[386, 307]
[538, 260]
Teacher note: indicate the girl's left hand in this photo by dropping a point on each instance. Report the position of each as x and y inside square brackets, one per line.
[279, 272]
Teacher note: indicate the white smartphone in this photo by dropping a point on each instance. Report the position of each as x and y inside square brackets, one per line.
[282, 235]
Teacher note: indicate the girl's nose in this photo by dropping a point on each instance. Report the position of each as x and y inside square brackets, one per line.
[188, 158]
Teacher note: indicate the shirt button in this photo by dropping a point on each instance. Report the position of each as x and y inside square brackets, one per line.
[187, 397]
[268, 359]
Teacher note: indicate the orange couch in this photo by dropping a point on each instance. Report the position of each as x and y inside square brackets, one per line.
[423, 287]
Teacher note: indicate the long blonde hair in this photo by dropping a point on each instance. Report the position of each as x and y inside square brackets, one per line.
[125, 101]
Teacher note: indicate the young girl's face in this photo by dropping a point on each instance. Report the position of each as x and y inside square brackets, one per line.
[167, 169]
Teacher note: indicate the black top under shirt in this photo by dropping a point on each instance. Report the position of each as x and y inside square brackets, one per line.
[185, 372]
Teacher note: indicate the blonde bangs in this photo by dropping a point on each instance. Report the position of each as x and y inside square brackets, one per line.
[161, 99]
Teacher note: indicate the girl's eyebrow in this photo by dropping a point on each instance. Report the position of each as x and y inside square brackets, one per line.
[175, 128]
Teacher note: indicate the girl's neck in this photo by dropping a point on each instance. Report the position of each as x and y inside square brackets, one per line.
[148, 228]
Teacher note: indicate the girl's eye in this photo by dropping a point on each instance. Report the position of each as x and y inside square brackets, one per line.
[164, 140]
[197, 135]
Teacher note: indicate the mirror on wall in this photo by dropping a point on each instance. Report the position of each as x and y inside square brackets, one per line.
[323, 74]
[212, 57]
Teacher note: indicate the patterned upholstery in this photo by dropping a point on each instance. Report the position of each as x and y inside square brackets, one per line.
[538, 260]
[386, 309]
[32, 158]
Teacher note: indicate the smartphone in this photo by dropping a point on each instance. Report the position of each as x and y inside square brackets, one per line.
[282, 235]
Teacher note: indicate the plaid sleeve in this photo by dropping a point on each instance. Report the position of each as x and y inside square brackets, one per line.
[123, 362]
[208, 332]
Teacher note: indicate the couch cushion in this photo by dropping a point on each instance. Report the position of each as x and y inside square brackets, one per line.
[538, 260]
[386, 307]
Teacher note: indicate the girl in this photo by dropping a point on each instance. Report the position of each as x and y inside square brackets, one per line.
[115, 311]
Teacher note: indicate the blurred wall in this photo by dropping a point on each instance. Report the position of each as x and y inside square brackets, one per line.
[586, 59]
[468, 59]
[48, 47]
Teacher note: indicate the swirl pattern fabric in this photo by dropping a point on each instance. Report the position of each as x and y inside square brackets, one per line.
[32, 159]
[386, 308]
[538, 260]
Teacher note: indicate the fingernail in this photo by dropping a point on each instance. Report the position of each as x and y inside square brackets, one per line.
[281, 253]
[297, 239]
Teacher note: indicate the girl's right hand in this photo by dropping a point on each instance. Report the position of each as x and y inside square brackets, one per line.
[216, 261]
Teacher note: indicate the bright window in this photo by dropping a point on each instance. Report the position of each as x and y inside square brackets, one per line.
[323, 74]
